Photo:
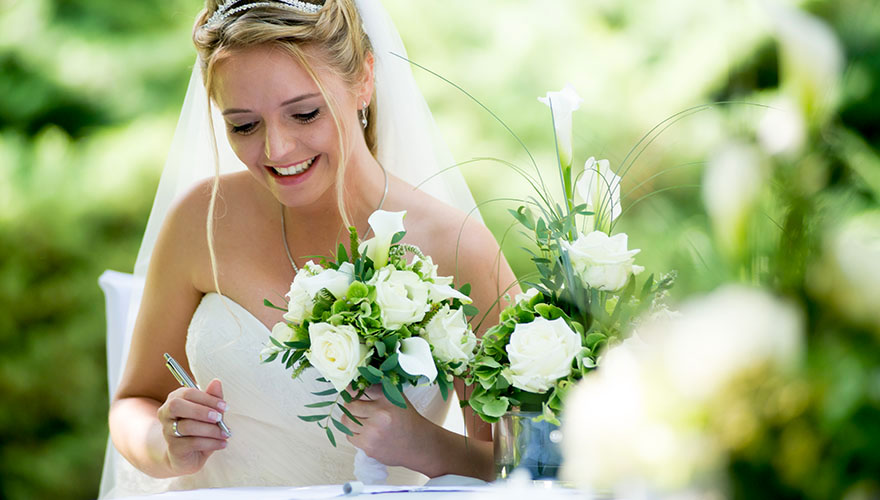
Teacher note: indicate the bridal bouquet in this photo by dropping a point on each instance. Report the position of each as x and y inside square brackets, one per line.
[371, 317]
[583, 294]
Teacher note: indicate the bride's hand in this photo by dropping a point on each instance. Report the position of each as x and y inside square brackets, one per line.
[196, 414]
[390, 434]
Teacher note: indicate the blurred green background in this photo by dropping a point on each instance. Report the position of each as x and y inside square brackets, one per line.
[89, 96]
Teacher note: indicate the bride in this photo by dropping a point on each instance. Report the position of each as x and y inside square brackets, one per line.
[329, 127]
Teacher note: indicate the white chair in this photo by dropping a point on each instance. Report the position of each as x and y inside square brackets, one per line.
[122, 297]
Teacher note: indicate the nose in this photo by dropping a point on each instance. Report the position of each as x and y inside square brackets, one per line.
[278, 145]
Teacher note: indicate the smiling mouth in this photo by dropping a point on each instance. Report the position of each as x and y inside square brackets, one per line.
[294, 169]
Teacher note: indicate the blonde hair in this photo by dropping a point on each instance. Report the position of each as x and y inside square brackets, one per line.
[335, 32]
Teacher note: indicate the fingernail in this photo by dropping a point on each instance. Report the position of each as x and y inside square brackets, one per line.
[213, 415]
[221, 406]
[223, 444]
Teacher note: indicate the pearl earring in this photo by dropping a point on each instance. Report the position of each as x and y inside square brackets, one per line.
[364, 115]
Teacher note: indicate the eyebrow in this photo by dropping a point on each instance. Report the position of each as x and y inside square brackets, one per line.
[285, 103]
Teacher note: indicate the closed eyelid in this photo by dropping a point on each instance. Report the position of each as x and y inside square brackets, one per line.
[297, 99]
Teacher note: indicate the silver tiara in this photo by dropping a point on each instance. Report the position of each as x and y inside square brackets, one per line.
[225, 10]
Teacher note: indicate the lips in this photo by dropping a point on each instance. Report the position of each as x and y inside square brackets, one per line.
[292, 169]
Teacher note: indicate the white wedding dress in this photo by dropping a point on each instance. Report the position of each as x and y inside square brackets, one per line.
[270, 445]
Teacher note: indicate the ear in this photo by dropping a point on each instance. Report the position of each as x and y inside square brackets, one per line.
[367, 83]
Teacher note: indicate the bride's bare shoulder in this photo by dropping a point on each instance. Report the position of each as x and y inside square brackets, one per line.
[191, 209]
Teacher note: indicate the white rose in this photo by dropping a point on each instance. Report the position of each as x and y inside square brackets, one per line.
[603, 261]
[282, 332]
[541, 353]
[336, 352]
[335, 281]
[402, 297]
[309, 281]
[453, 341]
[299, 300]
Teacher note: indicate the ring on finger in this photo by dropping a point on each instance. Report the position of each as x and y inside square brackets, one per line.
[174, 429]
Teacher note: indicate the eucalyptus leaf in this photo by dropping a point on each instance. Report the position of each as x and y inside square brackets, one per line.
[349, 414]
[443, 385]
[370, 373]
[312, 418]
[397, 237]
[345, 396]
[330, 436]
[393, 393]
[297, 344]
[390, 363]
[320, 404]
[470, 310]
[341, 427]
[391, 342]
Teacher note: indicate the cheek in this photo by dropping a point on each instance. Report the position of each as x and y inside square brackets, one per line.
[248, 148]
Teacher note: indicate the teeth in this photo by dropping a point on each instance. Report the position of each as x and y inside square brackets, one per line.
[295, 169]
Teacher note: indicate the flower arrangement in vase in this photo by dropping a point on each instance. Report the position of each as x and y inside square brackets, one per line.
[583, 295]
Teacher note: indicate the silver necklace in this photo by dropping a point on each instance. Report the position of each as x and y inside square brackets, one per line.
[284, 225]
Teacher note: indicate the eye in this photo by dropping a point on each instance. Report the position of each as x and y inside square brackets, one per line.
[244, 129]
[307, 117]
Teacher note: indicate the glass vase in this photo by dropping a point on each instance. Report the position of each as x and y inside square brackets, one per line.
[520, 442]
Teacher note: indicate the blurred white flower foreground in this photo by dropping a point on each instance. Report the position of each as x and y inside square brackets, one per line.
[648, 420]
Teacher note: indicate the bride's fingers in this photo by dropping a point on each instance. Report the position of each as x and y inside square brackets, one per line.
[360, 408]
[215, 388]
[178, 408]
[190, 444]
[193, 428]
[213, 399]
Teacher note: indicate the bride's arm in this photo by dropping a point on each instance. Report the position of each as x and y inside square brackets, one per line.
[395, 436]
[148, 398]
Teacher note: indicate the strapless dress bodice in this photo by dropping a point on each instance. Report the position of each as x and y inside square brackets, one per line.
[270, 445]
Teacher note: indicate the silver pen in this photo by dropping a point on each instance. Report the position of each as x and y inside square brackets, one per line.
[187, 381]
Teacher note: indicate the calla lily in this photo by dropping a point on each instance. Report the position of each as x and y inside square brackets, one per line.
[385, 225]
[811, 57]
[415, 358]
[732, 183]
[564, 102]
[439, 293]
[600, 189]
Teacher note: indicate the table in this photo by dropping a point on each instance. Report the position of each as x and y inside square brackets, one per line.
[489, 491]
